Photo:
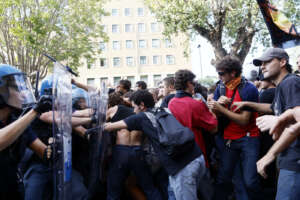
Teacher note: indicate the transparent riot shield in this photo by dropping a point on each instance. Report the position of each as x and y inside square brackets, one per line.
[98, 139]
[62, 132]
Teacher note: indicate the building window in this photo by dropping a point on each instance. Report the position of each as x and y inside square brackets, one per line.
[129, 61]
[142, 44]
[141, 28]
[116, 45]
[116, 61]
[114, 12]
[103, 46]
[144, 78]
[115, 28]
[116, 80]
[103, 62]
[154, 27]
[168, 43]
[170, 60]
[156, 60]
[128, 28]
[131, 79]
[129, 44]
[143, 60]
[127, 12]
[90, 81]
[170, 75]
[155, 43]
[156, 80]
[140, 12]
[103, 82]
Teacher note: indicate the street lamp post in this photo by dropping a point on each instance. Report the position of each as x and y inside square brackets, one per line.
[201, 72]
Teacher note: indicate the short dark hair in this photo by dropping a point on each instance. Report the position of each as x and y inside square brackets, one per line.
[114, 99]
[212, 88]
[229, 64]
[128, 94]
[144, 96]
[201, 89]
[182, 77]
[126, 84]
[142, 84]
[170, 81]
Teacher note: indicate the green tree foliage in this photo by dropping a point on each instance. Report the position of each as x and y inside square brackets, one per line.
[229, 25]
[65, 29]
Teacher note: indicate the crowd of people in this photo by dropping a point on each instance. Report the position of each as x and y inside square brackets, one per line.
[239, 127]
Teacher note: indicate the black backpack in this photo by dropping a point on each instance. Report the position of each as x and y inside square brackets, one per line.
[173, 137]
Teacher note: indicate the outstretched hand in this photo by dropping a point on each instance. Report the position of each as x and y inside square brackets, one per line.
[263, 163]
[266, 122]
[235, 106]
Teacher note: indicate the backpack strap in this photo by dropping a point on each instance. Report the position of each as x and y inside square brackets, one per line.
[152, 119]
[241, 86]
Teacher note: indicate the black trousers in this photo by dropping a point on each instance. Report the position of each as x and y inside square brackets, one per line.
[124, 160]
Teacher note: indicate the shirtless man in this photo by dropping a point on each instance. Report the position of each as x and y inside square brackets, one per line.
[127, 154]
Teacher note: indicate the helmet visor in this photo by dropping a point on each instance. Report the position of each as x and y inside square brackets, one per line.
[19, 91]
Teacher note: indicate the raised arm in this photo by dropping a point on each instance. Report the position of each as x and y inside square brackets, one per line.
[115, 125]
[12, 131]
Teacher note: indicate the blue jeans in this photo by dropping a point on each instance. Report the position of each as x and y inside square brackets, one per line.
[240, 190]
[124, 160]
[243, 151]
[38, 183]
[186, 181]
[288, 187]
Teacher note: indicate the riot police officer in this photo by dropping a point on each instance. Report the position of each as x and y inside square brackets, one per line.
[16, 98]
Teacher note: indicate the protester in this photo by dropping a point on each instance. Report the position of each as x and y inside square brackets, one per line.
[168, 91]
[183, 171]
[194, 115]
[141, 85]
[124, 86]
[298, 65]
[127, 155]
[275, 66]
[240, 134]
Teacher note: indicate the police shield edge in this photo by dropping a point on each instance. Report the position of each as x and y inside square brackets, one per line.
[98, 138]
[62, 132]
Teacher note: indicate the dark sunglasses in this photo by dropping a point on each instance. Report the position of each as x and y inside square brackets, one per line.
[221, 73]
[13, 86]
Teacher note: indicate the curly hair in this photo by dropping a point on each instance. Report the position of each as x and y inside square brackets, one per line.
[144, 96]
[182, 77]
[229, 64]
[114, 99]
[126, 84]
[142, 85]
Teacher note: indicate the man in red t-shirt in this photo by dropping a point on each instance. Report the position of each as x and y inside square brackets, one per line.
[240, 135]
[190, 112]
[195, 115]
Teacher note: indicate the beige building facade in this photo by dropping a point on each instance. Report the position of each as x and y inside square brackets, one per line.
[136, 50]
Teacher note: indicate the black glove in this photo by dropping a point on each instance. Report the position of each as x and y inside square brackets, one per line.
[44, 104]
[90, 132]
[48, 155]
[94, 118]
